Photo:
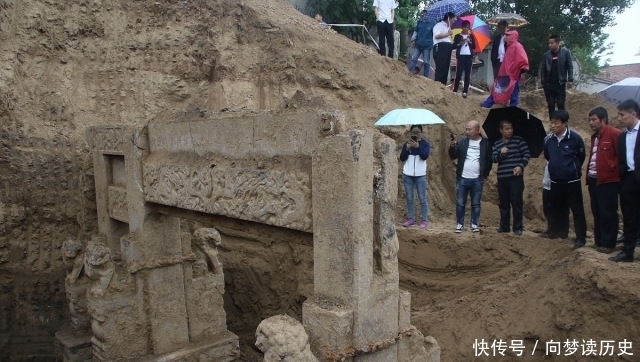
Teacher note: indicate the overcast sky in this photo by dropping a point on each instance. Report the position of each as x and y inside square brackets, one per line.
[625, 36]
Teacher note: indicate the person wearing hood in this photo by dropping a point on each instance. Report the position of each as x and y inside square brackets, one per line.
[506, 87]
[422, 42]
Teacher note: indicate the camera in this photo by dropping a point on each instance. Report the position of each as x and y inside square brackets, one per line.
[414, 138]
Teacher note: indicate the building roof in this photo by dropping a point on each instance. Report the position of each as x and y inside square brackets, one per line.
[616, 73]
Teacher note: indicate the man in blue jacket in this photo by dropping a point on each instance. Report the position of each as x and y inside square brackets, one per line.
[422, 42]
[557, 74]
[414, 154]
[566, 153]
[473, 153]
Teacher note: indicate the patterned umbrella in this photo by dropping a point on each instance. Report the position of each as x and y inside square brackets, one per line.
[513, 20]
[436, 11]
[480, 30]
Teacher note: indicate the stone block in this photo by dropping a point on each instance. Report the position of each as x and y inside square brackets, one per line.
[222, 347]
[342, 197]
[404, 311]
[171, 137]
[117, 203]
[329, 325]
[73, 348]
[167, 306]
[205, 306]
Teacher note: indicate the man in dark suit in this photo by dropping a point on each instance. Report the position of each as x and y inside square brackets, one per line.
[498, 47]
[629, 161]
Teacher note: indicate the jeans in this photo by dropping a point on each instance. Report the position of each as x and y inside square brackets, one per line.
[555, 94]
[510, 191]
[463, 64]
[513, 101]
[604, 207]
[465, 186]
[426, 58]
[385, 31]
[419, 183]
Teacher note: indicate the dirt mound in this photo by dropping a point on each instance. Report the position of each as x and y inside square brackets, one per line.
[75, 64]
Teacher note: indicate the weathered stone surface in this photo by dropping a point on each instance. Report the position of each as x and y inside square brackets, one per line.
[283, 339]
[270, 196]
[117, 204]
[329, 324]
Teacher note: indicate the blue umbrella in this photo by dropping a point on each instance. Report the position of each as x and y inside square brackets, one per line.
[409, 116]
[436, 11]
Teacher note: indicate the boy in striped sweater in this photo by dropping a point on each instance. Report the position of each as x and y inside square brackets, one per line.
[511, 153]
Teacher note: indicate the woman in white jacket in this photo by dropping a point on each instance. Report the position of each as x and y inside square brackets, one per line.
[414, 154]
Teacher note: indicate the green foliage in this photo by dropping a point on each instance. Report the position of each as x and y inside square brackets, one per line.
[359, 11]
[578, 22]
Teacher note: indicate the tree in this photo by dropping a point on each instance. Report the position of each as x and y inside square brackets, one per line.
[578, 22]
[361, 12]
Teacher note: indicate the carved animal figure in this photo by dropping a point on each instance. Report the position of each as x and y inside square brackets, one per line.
[99, 267]
[206, 240]
[283, 339]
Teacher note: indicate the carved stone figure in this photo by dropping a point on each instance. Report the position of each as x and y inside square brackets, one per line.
[76, 286]
[283, 339]
[98, 266]
[206, 241]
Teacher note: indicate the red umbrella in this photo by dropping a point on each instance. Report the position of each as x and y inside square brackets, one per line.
[480, 30]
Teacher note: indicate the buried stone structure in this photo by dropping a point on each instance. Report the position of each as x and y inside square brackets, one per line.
[155, 292]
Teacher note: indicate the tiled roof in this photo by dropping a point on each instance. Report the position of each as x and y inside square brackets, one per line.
[616, 73]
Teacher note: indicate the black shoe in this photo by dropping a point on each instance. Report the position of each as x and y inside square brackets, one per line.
[548, 235]
[501, 230]
[518, 232]
[622, 257]
[578, 244]
[604, 250]
[563, 236]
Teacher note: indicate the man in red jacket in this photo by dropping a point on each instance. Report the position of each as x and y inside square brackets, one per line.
[603, 180]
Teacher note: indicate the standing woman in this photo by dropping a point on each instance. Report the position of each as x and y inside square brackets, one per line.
[414, 154]
[442, 47]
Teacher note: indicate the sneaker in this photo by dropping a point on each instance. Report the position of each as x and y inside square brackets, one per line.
[474, 228]
[408, 223]
[464, 95]
[459, 228]
[424, 224]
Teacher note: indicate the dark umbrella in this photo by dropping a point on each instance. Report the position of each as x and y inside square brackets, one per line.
[525, 125]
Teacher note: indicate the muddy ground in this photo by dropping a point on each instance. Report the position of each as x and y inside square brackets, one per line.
[70, 65]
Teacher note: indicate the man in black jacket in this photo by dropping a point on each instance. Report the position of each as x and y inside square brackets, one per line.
[629, 145]
[474, 163]
[498, 48]
[566, 153]
[557, 74]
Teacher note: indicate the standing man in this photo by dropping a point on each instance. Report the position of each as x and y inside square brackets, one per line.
[414, 154]
[473, 153]
[603, 180]
[442, 47]
[557, 74]
[422, 43]
[498, 48]
[511, 153]
[565, 153]
[629, 163]
[385, 13]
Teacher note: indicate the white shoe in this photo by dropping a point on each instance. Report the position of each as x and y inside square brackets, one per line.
[459, 228]
[474, 228]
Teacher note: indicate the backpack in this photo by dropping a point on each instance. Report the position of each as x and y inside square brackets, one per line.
[424, 38]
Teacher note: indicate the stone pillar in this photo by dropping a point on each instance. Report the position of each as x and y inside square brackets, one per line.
[353, 306]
